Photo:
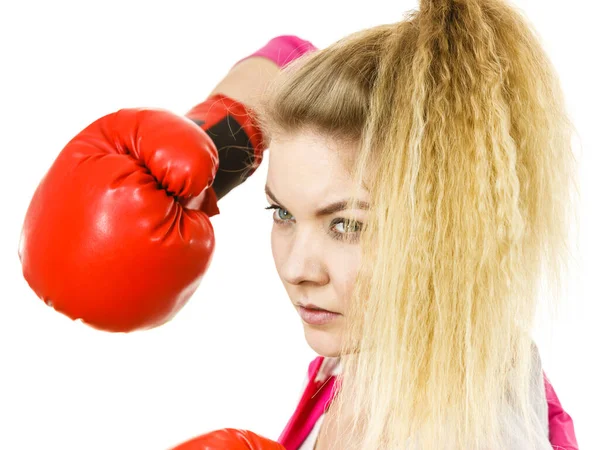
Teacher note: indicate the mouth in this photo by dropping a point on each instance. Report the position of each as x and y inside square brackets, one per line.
[311, 307]
[313, 315]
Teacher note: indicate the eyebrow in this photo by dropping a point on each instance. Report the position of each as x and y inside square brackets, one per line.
[330, 209]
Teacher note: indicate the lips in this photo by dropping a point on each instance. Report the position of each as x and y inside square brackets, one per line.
[310, 306]
[316, 317]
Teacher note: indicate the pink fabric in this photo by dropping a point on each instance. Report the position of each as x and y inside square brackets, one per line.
[562, 431]
[312, 405]
[283, 49]
[318, 394]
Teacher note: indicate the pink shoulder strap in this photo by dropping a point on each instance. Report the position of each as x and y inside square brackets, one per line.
[314, 402]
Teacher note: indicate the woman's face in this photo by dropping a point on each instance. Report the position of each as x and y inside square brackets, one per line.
[316, 252]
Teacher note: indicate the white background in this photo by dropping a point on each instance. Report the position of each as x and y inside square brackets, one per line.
[235, 356]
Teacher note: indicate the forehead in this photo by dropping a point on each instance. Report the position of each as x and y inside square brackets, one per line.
[309, 160]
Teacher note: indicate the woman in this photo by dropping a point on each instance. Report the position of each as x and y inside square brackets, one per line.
[450, 132]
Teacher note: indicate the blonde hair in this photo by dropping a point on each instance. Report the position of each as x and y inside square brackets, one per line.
[465, 146]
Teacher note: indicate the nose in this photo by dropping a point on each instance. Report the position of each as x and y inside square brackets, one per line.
[305, 262]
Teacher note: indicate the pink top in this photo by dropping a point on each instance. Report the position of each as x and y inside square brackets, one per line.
[282, 50]
[562, 432]
[315, 400]
[319, 392]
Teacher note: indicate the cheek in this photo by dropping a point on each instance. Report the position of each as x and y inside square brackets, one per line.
[277, 248]
[343, 272]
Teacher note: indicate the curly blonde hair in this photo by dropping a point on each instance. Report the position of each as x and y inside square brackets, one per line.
[465, 147]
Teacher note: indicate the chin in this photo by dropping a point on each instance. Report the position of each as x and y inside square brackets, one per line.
[323, 341]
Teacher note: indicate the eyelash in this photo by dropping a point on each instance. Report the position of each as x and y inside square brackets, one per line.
[336, 234]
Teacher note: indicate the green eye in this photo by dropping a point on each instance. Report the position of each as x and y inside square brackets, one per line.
[351, 228]
[277, 213]
[279, 210]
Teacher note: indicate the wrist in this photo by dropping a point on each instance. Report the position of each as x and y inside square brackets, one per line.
[247, 81]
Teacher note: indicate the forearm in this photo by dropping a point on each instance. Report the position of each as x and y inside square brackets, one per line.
[225, 114]
[247, 80]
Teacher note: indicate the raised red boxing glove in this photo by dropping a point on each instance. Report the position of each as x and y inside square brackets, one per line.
[107, 238]
[230, 439]
[117, 233]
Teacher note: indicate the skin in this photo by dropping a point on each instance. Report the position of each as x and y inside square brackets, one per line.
[313, 266]
[307, 172]
[247, 81]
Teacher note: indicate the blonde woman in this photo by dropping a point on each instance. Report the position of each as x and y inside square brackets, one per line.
[449, 131]
[419, 177]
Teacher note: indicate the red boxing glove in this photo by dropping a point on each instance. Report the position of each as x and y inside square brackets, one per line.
[107, 237]
[117, 233]
[230, 439]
